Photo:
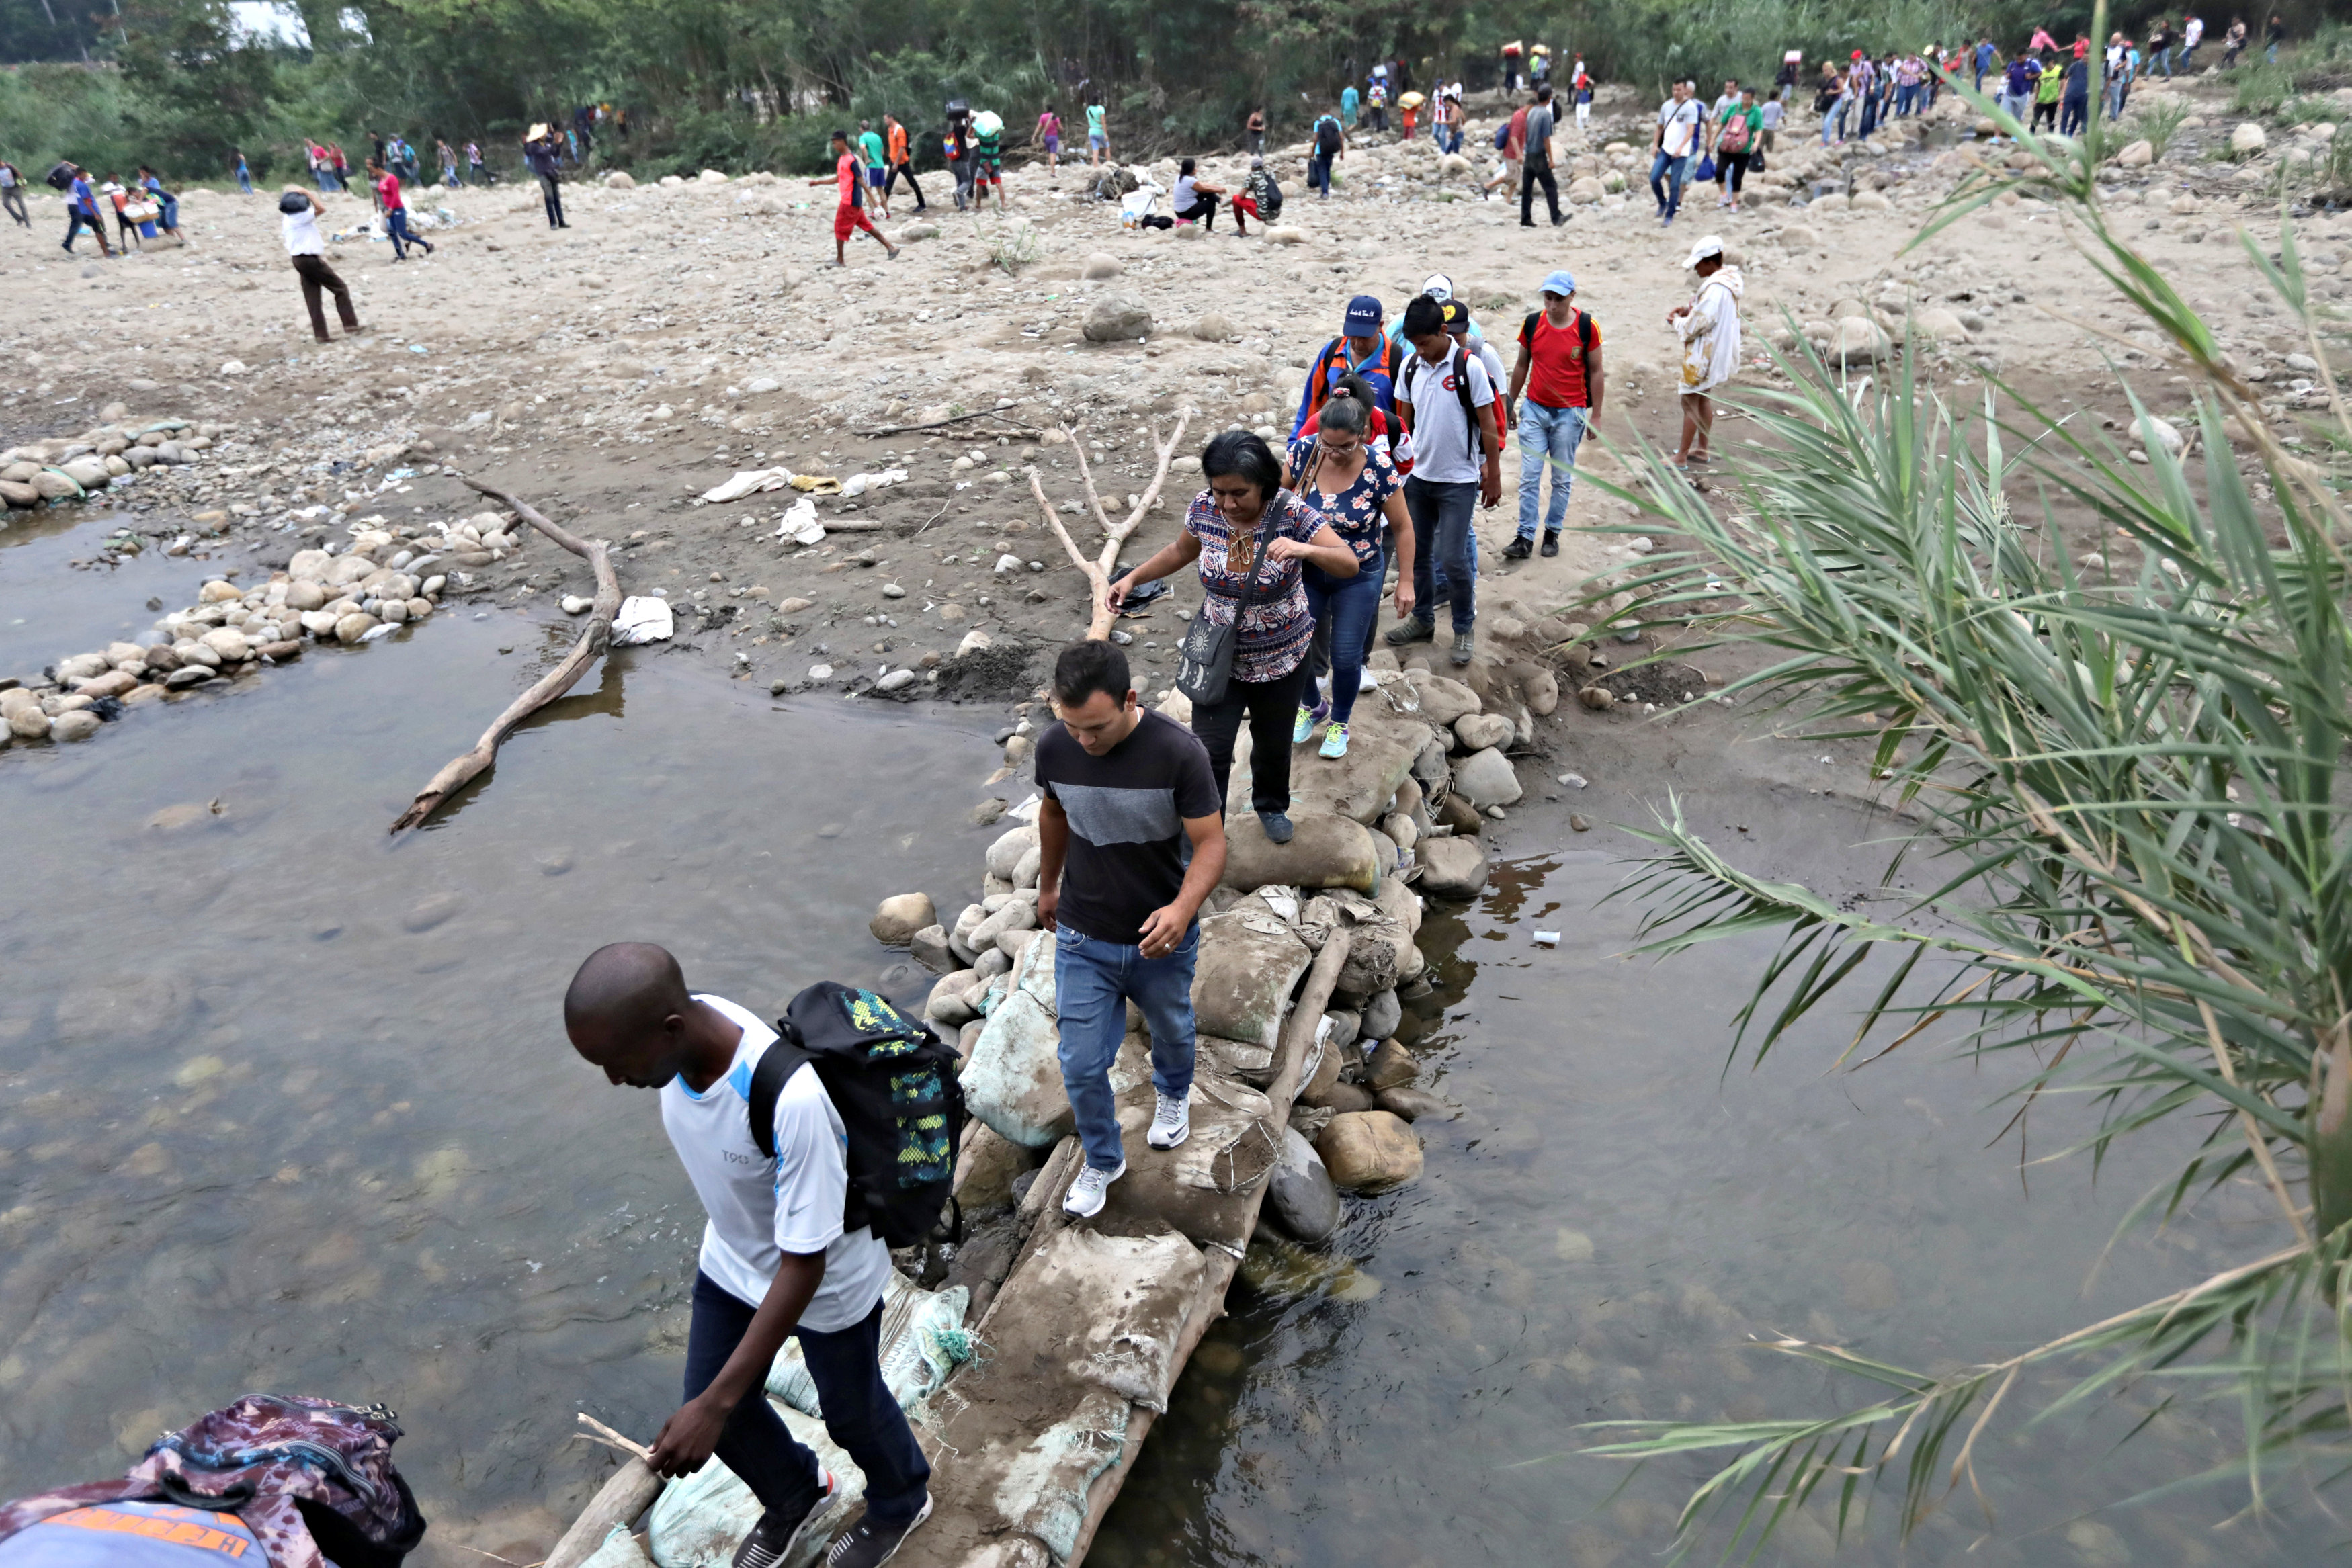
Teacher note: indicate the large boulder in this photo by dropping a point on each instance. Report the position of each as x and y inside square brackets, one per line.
[1437, 699]
[1368, 1151]
[1453, 867]
[1116, 318]
[1305, 1200]
[1382, 746]
[1323, 852]
[1487, 779]
[2246, 141]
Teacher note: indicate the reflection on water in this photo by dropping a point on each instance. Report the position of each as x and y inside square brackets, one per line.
[1597, 1234]
[286, 1103]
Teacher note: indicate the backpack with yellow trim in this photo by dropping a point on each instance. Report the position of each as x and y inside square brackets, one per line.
[894, 1083]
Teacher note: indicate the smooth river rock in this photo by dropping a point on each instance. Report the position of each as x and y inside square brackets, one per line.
[899, 917]
[1370, 1151]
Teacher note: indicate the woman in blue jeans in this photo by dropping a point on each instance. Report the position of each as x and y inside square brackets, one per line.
[1354, 485]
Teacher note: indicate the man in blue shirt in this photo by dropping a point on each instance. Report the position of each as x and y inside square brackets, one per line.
[82, 213]
[1984, 61]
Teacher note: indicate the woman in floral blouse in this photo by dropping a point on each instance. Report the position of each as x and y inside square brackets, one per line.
[1340, 474]
[1251, 538]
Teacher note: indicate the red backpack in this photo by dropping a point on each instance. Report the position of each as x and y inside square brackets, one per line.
[311, 1478]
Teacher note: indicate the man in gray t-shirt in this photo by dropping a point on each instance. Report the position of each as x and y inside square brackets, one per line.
[1537, 165]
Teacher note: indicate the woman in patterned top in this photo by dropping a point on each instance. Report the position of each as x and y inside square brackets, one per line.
[1251, 538]
[1338, 472]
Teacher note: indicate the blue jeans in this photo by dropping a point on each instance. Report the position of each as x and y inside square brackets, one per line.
[1907, 100]
[1093, 982]
[396, 224]
[245, 182]
[1318, 173]
[1548, 438]
[1440, 514]
[1834, 123]
[860, 1413]
[2164, 63]
[1354, 604]
[1663, 168]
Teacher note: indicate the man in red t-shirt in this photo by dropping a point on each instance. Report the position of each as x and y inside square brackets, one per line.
[851, 213]
[1560, 372]
[395, 212]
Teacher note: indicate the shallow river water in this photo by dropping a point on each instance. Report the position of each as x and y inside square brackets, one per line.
[286, 1103]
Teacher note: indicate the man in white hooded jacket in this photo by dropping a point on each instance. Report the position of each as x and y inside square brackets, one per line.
[1709, 329]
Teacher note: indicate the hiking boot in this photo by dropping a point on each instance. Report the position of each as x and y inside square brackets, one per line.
[1551, 542]
[870, 1542]
[1465, 643]
[1276, 825]
[1517, 550]
[776, 1535]
[1335, 742]
[1171, 1120]
[1304, 727]
[1084, 1200]
[1412, 629]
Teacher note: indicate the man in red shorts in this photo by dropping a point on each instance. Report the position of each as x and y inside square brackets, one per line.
[851, 215]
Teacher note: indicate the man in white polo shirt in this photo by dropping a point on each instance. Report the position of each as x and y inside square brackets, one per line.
[775, 1260]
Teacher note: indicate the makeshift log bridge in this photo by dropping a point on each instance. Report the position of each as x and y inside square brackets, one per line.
[1033, 1413]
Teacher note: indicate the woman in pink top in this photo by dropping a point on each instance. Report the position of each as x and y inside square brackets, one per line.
[395, 212]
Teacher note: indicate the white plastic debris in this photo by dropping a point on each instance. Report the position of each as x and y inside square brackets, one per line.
[747, 482]
[1546, 938]
[641, 621]
[858, 483]
[800, 523]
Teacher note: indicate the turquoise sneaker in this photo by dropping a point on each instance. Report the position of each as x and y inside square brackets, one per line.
[1335, 741]
[1303, 728]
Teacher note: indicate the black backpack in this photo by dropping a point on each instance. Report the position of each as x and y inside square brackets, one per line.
[61, 177]
[1328, 136]
[1460, 365]
[1271, 208]
[895, 1085]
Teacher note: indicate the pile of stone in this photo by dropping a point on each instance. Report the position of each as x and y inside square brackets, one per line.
[43, 472]
[358, 593]
[1304, 1093]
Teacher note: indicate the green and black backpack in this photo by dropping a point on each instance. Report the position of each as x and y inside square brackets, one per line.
[894, 1083]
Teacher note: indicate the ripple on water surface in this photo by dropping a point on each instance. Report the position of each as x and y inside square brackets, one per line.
[286, 1103]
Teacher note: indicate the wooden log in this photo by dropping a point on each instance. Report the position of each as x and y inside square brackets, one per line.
[627, 1492]
[594, 638]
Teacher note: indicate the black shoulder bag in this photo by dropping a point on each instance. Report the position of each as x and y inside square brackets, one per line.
[1204, 659]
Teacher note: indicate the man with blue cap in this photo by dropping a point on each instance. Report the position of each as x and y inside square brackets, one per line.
[1560, 372]
[1360, 348]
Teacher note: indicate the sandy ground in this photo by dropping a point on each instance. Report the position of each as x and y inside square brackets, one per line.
[612, 372]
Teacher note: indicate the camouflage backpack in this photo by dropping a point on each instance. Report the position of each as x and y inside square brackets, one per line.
[309, 1479]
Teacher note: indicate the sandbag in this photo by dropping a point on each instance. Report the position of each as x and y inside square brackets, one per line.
[1205, 1188]
[923, 1339]
[1097, 1309]
[1014, 1081]
[1248, 964]
[619, 1550]
[1381, 748]
[698, 1522]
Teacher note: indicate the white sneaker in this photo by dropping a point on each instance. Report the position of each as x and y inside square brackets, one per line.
[1085, 1198]
[1366, 681]
[1171, 1121]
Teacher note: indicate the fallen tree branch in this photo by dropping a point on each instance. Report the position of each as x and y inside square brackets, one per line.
[1115, 534]
[594, 638]
[943, 423]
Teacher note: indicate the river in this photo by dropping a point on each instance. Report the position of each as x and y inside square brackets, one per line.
[286, 1103]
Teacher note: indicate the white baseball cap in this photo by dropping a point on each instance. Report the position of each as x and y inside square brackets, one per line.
[1438, 286]
[1708, 244]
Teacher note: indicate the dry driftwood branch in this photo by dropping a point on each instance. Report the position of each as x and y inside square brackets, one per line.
[877, 433]
[1115, 534]
[628, 1492]
[594, 638]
